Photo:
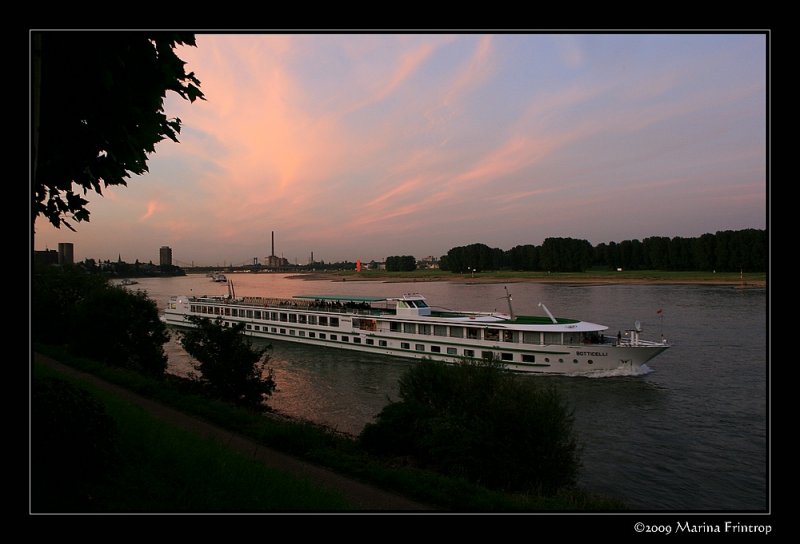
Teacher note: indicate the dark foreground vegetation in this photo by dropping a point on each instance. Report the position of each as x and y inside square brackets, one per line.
[98, 320]
[230, 368]
[93, 452]
[304, 440]
[479, 423]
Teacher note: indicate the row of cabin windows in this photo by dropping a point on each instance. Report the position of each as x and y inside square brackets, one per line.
[405, 345]
[309, 334]
[264, 315]
[489, 334]
[504, 356]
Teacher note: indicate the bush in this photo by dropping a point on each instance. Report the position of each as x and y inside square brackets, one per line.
[230, 367]
[121, 328]
[476, 421]
[72, 444]
[55, 293]
[109, 324]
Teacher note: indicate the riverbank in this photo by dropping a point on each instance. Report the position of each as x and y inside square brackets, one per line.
[266, 479]
[639, 277]
[405, 487]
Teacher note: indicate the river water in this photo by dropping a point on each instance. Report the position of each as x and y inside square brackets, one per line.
[690, 434]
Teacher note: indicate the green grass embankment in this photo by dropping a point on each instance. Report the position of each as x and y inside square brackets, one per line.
[339, 453]
[162, 468]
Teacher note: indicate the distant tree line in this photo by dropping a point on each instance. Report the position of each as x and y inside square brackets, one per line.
[135, 270]
[401, 263]
[725, 251]
[322, 265]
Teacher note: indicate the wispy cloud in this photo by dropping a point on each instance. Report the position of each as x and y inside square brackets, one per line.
[475, 71]
[153, 206]
[409, 63]
[512, 156]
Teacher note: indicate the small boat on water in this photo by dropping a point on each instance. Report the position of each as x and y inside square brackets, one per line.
[219, 277]
[128, 281]
[406, 326]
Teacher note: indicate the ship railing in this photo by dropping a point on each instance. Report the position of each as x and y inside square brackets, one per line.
[293, 304]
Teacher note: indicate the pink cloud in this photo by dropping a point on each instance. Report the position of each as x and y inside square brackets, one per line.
[409, 63]
[281, 161]
[402, 188]
[476, 70]
[517, 197]
[272, 147]
[515, 154]
[152, 207]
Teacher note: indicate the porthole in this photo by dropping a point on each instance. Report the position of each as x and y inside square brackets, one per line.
[575, 361]
[590, 362]
[547, 359]
[561, 360]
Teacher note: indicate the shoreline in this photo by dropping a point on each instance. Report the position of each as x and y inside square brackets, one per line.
[566, 280]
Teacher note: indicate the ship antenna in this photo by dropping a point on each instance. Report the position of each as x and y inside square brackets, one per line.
[553, 319]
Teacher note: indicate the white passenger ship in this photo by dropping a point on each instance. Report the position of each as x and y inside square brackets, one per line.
[406, 326]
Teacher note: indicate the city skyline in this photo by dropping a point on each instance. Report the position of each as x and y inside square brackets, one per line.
[364, 146]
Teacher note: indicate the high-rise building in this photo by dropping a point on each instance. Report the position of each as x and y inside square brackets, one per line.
[165, 256]
[65, 253]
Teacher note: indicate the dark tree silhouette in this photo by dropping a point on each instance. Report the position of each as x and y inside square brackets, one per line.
[98, 110]
[401, 263]
[231, 368]
[475, 421]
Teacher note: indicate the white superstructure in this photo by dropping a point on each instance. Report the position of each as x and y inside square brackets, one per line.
[406, 326]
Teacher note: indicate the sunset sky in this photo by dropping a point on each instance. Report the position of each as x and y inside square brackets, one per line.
[365, 146]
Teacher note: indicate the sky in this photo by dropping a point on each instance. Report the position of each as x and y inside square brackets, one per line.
[366, 146]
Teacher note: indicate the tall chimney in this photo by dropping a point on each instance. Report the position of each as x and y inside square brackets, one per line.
[273, 243]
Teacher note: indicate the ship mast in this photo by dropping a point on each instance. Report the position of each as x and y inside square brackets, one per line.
[508, 299]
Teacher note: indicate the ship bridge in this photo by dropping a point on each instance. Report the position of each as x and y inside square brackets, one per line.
[411, 305]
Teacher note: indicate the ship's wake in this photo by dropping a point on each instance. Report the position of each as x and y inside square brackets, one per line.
[622, 370]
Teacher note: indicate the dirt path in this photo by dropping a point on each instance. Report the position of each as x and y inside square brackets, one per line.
[365, 497]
